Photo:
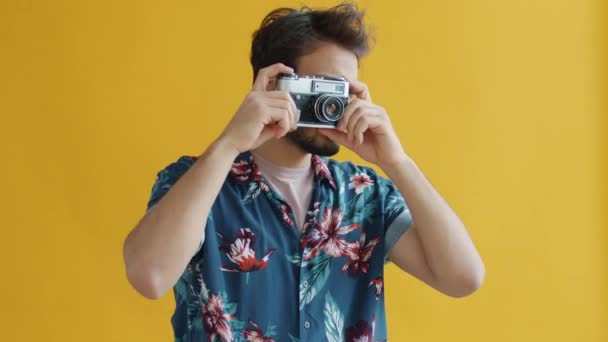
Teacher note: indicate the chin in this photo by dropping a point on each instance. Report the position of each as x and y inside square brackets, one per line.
[310, 141]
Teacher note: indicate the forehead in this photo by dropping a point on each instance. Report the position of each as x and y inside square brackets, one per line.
[328, 59]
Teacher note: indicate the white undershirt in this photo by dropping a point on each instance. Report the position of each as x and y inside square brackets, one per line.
[294, 184]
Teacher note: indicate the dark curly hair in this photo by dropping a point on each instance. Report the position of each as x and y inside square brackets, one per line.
[286, 33]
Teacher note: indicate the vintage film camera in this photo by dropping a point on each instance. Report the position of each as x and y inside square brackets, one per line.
[321, 100]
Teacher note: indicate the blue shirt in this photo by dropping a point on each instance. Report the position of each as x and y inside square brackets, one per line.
[256, 277]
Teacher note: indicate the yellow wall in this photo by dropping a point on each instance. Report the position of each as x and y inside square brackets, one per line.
[498, 101]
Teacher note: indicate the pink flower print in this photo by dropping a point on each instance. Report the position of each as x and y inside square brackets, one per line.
[359, 182]
[255, 334]
[215, 320]
[240, 252]
[325, 235]
[359, 253]
[378, 284]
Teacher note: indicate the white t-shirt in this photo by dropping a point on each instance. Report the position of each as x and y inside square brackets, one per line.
[294, 184]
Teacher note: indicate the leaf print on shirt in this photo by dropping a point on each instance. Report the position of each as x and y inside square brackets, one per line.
[325, 235]
[394, 205]
[240, 252]
[359, 182]
[256, 334]
[334, 320]
[314, 280]
[200, 293]
[361, 207]
[359, 253]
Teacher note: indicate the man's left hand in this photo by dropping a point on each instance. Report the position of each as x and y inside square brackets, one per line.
[366, 129]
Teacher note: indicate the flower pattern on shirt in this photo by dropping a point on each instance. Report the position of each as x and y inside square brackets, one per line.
[325, 235]
[255, 334]
[322, 171]
[335, 264]
[359, 253]
[217, 321]
[285, 210]
[359, 182]
[361, 331]
[240, 252]
[378, 285]
[246, 171]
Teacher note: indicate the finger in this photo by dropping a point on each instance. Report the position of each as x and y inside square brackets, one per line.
[296, 112]
[359, 89]
[286, 108]
[286, 97]
[336, 136]
[355, 119]
[279, 118]
[267, 133]
[265, 75]
[360, 128]
[348, 111]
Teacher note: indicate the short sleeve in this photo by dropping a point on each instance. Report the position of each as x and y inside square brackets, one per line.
[166, 178]
[396, 214]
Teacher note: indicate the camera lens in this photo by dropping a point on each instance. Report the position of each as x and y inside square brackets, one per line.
[328, 108]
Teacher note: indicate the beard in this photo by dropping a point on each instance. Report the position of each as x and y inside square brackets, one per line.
[310, 141]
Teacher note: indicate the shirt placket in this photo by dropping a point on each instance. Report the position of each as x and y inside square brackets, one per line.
[308, 319]
[309, 324]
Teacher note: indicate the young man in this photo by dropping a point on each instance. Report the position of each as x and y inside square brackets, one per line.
[264, 238]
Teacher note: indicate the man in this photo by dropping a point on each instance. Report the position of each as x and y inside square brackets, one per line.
[264, 238]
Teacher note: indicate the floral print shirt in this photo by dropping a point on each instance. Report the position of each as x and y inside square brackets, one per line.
[256, 277]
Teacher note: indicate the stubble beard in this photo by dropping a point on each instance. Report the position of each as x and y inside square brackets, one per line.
[312, 142]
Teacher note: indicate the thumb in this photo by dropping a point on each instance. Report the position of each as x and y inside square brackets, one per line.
[336, 135]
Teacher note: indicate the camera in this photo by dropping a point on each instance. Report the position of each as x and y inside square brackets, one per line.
[321, 100]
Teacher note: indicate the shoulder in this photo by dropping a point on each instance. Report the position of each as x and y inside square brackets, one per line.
[177, 167]
[348, 168]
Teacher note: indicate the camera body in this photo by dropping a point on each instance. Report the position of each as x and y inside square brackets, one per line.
[321, 100]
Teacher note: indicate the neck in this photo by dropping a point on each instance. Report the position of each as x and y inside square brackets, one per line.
[283, 152]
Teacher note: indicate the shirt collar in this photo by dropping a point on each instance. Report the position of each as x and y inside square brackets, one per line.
[244, 169]
[322, 171]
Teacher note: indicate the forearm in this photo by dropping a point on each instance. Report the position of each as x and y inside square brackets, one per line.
[447, 247]
[158, 249]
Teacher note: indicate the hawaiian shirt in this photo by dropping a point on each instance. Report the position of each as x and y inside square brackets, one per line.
[256, 277]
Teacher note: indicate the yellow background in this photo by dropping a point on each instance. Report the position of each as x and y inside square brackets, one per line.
[502, 104]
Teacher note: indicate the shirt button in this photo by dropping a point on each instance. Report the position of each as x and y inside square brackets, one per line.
[307, 324]
[305, 283]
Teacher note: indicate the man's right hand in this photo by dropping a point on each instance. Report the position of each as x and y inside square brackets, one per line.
[264, 114]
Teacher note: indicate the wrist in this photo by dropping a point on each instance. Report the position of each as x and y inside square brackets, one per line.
[224, 146]
[397, 164]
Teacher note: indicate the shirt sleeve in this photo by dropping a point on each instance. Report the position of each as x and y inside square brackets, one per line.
[397, 217]
[166, 178]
